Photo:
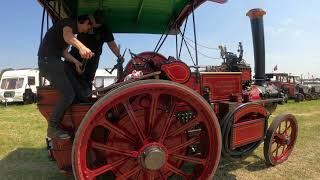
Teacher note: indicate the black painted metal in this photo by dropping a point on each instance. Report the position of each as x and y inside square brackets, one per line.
[259, 48]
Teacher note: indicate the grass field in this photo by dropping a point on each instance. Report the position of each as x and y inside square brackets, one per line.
[23, 154]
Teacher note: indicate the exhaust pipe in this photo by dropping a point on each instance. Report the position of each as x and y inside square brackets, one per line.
[256, 18]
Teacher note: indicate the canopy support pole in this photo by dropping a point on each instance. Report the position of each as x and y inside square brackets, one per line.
[182, 36]
[177, 46]
[185, 43]
[195, 45]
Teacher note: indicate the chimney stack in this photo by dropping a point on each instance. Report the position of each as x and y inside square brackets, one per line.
[256, 18]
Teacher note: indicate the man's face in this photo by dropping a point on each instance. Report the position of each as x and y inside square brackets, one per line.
[85, 27]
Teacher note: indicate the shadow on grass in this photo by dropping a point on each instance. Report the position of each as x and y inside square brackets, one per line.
[32, 163]
[29, 163]
[227, 167]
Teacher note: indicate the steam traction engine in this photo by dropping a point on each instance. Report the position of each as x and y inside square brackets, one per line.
[171, 122]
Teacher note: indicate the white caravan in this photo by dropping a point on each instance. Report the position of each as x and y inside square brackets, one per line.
[14, 83]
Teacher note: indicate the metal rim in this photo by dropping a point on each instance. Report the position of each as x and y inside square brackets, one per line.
[148, 144]
[280, 139]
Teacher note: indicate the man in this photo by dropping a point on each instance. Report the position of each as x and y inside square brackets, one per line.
[82, 80]
[55, 45]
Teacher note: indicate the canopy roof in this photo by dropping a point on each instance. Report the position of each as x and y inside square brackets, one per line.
[129, 16]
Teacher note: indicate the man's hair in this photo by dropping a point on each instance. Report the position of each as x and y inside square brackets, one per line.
[82, 18]
[98, 16]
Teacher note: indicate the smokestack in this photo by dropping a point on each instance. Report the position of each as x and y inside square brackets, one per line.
[256, 18]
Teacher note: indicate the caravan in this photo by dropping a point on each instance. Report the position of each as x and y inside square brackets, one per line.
[14, 83]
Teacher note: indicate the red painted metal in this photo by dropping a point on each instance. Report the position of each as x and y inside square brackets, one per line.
[249, 125]
[254, 93]
[61, 149]
[193, 84]
[147, 117]
[246, 75]
[48, 97]
[177, 71]
[247, 132]
[222, 85]
[61, 152]
[147, 62]
[280, 139]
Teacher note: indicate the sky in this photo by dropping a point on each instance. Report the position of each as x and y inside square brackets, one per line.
[292, 37]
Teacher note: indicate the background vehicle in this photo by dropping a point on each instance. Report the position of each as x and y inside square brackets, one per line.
[288, 85]
[16, 83]
[314, 85]
[173, 122]
[304, 92]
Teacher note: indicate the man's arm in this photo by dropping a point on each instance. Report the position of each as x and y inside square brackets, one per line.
[68, 57]
[69, 37]
[114, 48]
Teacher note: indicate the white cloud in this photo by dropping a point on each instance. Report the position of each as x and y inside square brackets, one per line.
[285, 28]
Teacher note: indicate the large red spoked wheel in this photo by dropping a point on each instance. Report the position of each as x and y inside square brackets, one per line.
[280, 139]
[150, 129]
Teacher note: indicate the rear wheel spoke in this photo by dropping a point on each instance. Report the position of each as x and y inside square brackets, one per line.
[153, 111]
[137, 124]
[167, 125]
[184, 145]
[176, 171]
[105, 123]
[130, 173]
[185, 127]
[114, 150]
[162, 176]
[107, 167]
[189, 159]
[151, 176]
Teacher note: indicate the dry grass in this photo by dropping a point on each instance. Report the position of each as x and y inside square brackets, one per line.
[23, 154]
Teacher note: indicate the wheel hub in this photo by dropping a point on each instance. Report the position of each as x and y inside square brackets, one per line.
[153, 158]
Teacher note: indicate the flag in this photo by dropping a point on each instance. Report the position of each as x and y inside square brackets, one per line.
[275, 68]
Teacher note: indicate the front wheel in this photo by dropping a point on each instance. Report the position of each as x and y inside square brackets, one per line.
[280, 139]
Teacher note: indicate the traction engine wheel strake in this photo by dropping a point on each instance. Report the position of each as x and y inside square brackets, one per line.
[145, 130]
[280, 139]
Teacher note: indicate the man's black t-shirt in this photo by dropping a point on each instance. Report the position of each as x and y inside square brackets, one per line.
[53, 43]
[94, 41]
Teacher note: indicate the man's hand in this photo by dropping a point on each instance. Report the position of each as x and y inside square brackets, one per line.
[78, 67]
[86, 53]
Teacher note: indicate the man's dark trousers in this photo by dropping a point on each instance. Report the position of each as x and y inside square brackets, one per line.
[52, 68]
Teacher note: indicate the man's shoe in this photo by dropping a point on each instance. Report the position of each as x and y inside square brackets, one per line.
[55, 132]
